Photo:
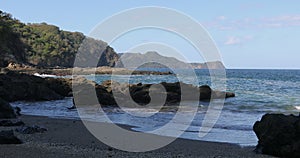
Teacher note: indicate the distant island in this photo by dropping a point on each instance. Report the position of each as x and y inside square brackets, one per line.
[153, 59]
[44, 46]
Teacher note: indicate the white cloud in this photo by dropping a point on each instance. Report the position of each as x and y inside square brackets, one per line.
[235, 40]
[225, 23]
[281, 21]
[226, 28]
[286, 18]
[232, 40]
[222, 17]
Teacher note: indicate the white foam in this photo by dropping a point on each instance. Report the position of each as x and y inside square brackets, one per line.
[44, 75]
[297, 107]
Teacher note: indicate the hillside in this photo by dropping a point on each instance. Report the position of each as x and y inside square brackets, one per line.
[151, 59]
[44, 45]
[11, 46]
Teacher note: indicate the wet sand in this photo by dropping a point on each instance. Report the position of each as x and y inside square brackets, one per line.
[70, 138]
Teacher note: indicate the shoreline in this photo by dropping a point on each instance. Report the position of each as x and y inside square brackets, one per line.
[69, 138]
[85, 71]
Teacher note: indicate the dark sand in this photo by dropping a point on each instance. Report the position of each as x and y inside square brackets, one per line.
[69, 138]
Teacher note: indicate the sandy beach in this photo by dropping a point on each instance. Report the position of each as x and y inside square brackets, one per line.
[69, 138]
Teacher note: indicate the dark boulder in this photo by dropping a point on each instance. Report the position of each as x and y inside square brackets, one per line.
[205, 92]
[8, 137]
[221, 94]
[6, 111]
[62, 86]
[17, 86]
[42, 92]
[173, 87]
[83, 90]
[229, 95]
[278, 135]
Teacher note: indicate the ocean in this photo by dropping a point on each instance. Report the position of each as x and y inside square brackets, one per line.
[257, 92]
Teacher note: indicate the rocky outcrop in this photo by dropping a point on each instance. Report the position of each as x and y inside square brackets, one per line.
[8, 137]
[140, 93]
[62, 86]
[278, 135]
[6, 111]
[17, 86]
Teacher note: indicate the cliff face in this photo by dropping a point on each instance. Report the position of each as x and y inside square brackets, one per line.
[43, 45]
[109, 57]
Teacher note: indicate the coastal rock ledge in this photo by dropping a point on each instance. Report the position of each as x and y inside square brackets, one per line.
[279, 135]
[108, 91]
[18, 86]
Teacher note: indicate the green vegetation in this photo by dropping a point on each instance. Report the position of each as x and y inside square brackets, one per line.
[43, 45]
[11, 47]
[49, 46]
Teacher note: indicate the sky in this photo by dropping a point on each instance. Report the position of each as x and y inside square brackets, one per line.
[249, 34]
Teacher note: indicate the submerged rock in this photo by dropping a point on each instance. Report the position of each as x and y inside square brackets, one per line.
[6, 110]
[8, 137]
[278, 135]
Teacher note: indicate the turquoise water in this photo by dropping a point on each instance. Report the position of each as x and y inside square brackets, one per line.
[257, 92]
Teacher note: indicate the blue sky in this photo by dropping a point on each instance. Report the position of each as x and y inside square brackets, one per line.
[249, 34]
